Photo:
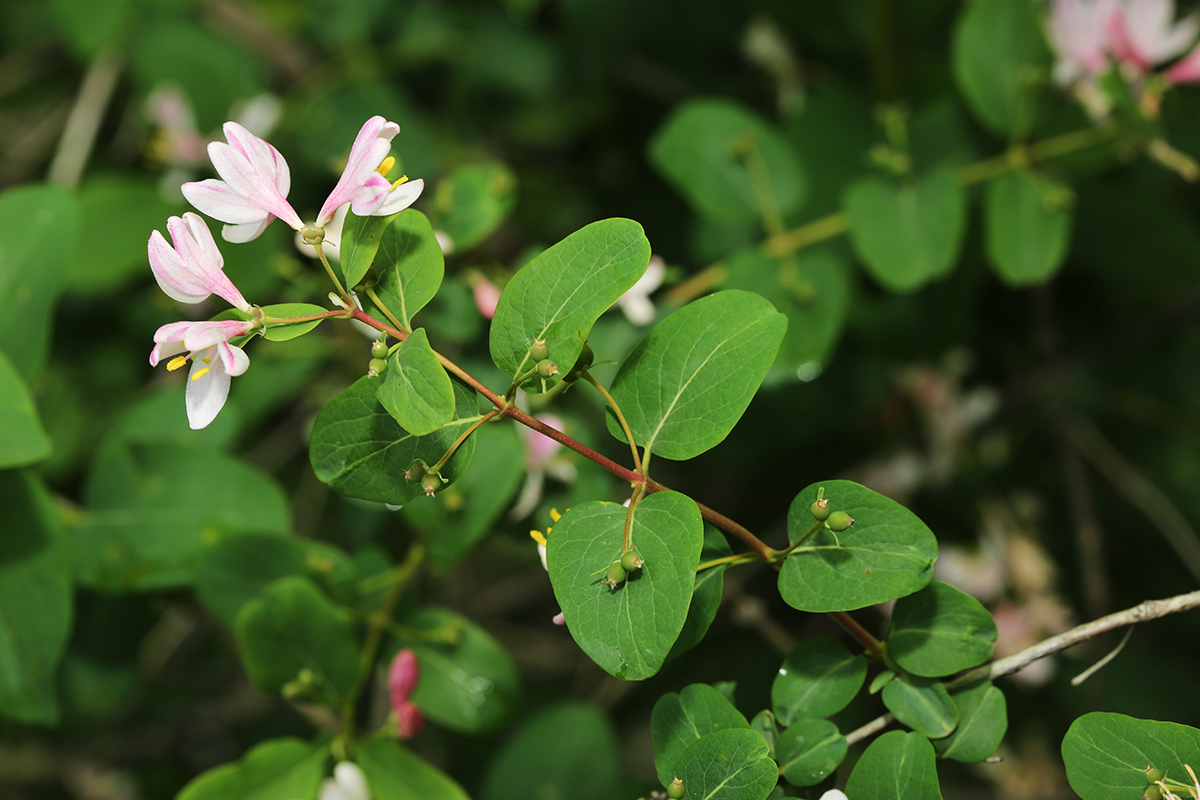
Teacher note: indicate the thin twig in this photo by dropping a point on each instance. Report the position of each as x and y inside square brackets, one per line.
[79, 135]
[1142, 612]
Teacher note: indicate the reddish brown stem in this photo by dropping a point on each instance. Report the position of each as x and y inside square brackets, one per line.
[857, 631]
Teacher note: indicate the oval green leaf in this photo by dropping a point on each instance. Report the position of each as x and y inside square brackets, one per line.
[690, 380]
[678, 720]
[561, 293]
[907, 233]
[810, 751]
[394, 772]
[817, 679]
[360, 450]
[896, 766]
[360, 243]
[22, 439]
[472, 201]
[283, 332]
[629, 630]
[922, 704]
[732, 764]
[281, 769]
[706, 595]
[1028, 219]
[982, 721]
[888, 553]
[1106, 754]
[415, 389]
[939, 631]
[409, 265]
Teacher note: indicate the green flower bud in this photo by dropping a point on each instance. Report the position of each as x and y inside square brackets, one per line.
[379, 349]
[1153, 775]
[540, 350]
[616, 575]
[820, 509]
[631, 560]
[376, 367]
[839, 521]
[675, 791]
[546, 368]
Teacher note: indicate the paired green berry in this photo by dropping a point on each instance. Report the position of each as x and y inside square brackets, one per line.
[376, 367]
[582, 364]
[547, 368]
[540, 350]
[631, 561]
[379, 349]
[820, 509]
[616, 575]
[839, 521]
[676, 791]
[1153, 775]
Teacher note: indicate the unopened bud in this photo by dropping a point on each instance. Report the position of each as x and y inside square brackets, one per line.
[312, 235]
[675, 791]
[820, 509]
[409, 720]
[839, 521]
[616, 575]
[546, 368]
[631, 561]
[540, 350]
[402, 678]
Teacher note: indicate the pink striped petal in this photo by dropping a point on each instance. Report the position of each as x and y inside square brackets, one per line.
[191, 268]
[400, 197]
[1188, 68]
[370, 147]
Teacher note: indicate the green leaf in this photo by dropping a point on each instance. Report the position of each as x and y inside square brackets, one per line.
[567, 751]
[22, 439]
[1106, 754]
[817, 679]
[809, 751]
[812, 290]
[982, 721]
[281, 769]
[153, 509]
[359, 449]
[293, 628]
[238, 570]
[115, 252]
[472, 201]
[722, 158]
[90, 26]
[999, 60]
[32, 256]
[907, 233]
[281, 333]
[888, 553]
[360, 243]
[415, 389]
[706, 594]
[627, 631]
[472, 505]
[939, 631]
[728, 765]
[394, 772]
[35, 601]
[1028, 226]
[561, 293]
[896, 766]
[468, 681]
[922, 704]
[410, 266]
[679, 720]
[687, 384]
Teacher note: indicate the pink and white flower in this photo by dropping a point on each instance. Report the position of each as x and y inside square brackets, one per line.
[1079, 33]
[254, 182]
[1143, 33]
[190, 272]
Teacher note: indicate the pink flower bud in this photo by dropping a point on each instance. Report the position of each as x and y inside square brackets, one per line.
[409, 720]
[403, 677]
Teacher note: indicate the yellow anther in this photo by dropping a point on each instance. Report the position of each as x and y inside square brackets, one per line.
[402, 179]
[554, 515]
[386, 166]
[538, 537]
[176, 362]
[206, 359]
[200, 373]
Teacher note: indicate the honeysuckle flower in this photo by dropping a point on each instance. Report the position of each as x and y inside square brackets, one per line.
[635, 303]
[191, 268]
[347, 783]
[214, 362]
[1079, 33]
[540, 537]
[485, 293]
[541, 459]
[403, 676]
[1143, 33]
[834, 794]
[1187, 69]
[254, 182]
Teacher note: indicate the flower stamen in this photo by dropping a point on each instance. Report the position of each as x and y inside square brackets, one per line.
[200, 373]
[386, 166]
[176, 362]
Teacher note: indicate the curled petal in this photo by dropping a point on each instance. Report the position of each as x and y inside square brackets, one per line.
[360, 183]
[201, 335]
[207, 389]
[1188, 68]
[400, 197]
